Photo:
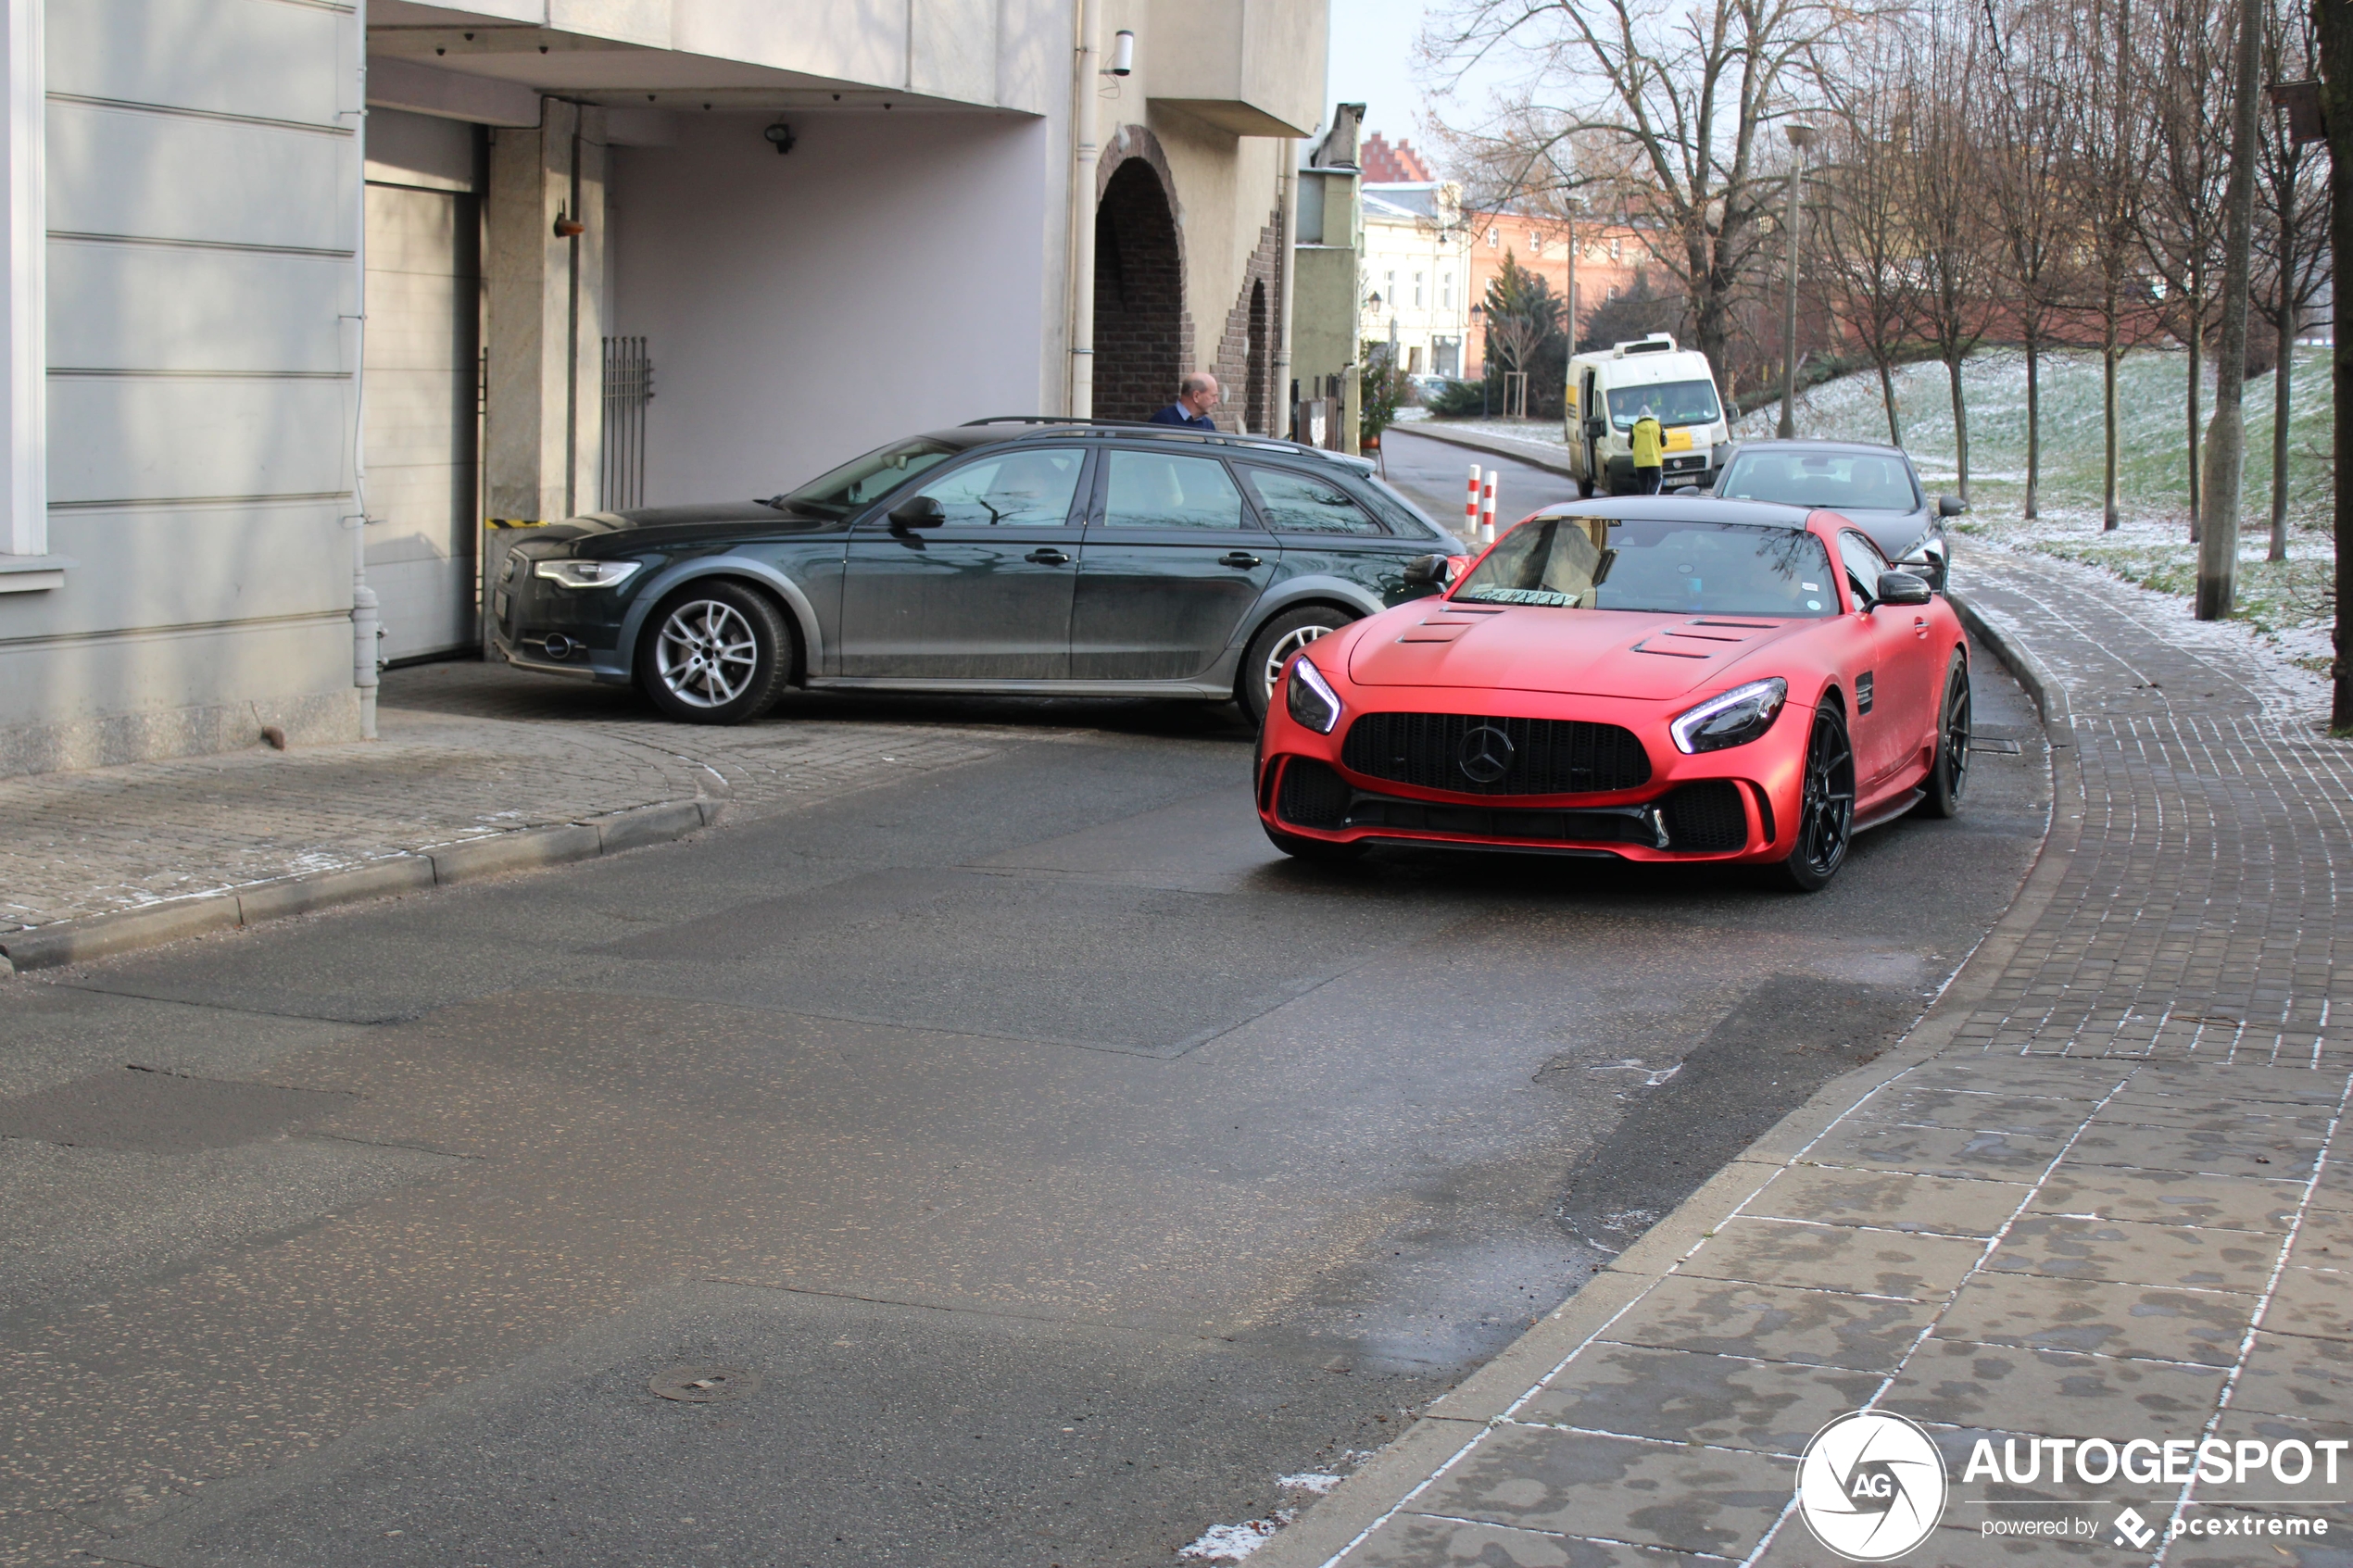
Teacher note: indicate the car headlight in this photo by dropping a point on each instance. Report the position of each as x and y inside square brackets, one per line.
[1736, 717]
[588, 573]
[1312, 700]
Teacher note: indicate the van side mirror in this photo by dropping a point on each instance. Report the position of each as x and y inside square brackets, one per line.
[923, 511]
[1950, 505]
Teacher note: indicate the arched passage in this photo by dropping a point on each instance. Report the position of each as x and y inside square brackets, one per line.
[1138, 297]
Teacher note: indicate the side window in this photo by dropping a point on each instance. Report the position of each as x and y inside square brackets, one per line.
[1161, 490]
[1300, 503]
[1863, 563]
[1025, 488]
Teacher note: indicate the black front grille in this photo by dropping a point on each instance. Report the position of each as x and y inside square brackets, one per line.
[1312, 795]
[1612, 824]
[1547, 755]
[1703, 818]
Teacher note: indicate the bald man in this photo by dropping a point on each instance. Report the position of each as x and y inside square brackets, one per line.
[1196, 395]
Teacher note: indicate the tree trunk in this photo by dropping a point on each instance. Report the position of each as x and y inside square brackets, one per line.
[2334, 24]
[2226, 437]
[2107, 413]
[1961, 422]
[1887, 396]
[2197, 391]
[2281, 375]
[2034, 420]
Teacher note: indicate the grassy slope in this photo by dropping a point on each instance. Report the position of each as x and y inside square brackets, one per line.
[2152, 546]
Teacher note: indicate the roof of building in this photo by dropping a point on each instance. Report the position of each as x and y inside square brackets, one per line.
[1383, 163]
[1401, 202]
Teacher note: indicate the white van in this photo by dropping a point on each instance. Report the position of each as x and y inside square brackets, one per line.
[1608, 391]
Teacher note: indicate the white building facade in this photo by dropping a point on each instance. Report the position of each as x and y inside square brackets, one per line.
[1418, 263]
[301, 291]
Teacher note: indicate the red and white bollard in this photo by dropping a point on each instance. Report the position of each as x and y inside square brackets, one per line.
[1487, 511]
[1470, 506]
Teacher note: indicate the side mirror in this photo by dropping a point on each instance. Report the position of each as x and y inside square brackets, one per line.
[1689, 490]
[923, 511]
[1425, 571]
[1950, 505]
[1902, 588]
[1596, 428]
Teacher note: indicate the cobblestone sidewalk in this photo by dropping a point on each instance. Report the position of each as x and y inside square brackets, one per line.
[467, 751]
[2093, 1196]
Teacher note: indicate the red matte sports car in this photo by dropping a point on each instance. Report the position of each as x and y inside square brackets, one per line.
[1653, 678]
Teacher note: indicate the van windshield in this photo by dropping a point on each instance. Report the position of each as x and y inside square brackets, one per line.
[1673, 403]
[1678, 566]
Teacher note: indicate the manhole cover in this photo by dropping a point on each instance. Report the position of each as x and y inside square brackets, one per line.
[703, 1384]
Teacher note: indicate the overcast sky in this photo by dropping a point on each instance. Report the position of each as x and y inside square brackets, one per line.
[1373, 63]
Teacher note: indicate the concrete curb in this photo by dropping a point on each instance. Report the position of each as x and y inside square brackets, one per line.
[1494, 445]
[98, 937]
[2049, 697]
[1328, 1529]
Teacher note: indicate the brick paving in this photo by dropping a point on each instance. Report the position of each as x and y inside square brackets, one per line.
[464, 751]
[2095, 1194]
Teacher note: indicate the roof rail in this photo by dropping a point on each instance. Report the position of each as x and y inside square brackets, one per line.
[1168, 432]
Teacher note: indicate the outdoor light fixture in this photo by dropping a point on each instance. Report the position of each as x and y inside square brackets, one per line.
[568, 227]
[780, 136]
[1123, 53]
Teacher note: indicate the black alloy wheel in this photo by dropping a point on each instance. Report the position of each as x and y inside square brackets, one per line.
[714, 653]
[1825, 806]
[1949, 774]
[1262, 661]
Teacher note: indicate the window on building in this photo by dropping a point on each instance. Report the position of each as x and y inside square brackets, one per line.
[1389, 290]
[1493, 237]
[1446, 290]
[1535, 243]
[1616, 249]
[1417, 291]
[1613, 291]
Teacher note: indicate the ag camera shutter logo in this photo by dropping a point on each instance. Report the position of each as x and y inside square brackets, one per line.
[1870, 1487]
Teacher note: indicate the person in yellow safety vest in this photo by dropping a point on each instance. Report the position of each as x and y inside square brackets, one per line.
[1649, 437]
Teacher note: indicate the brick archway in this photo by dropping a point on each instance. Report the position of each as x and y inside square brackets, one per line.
[1139, 294]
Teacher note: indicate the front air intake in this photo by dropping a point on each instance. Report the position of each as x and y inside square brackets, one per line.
[1312, 795]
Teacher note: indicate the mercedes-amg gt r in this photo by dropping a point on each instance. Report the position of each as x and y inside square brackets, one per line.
[1651, 678]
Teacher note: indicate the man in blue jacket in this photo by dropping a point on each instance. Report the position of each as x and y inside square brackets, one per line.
[1196, 395]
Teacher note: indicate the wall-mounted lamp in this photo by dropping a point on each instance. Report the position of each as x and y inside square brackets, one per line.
[780, 137]
[569, 227]
[1123, 53]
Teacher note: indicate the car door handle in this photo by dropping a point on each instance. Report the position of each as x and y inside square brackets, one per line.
[1047, 557]
[1240, 559]
[1920, 626]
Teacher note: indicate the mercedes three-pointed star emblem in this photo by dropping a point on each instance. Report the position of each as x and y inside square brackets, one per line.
[1485, 755]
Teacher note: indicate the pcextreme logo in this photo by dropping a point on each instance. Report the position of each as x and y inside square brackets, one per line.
[1871, 1486]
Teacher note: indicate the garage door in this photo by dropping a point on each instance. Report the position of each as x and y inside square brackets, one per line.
[424, 332]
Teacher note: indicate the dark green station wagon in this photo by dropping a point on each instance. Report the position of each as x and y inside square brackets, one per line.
[1040, 556]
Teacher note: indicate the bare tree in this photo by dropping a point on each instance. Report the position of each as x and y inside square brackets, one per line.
[1865, 228]
[2291, 237]
[2110, 114]
[1680, 96]
[2185, 79]
[2030, 168]
[2334, 26]
[1946, 179]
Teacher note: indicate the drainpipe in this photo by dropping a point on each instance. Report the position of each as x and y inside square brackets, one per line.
[1082, 213]
[366, 627]
[1287, 258]
[572, 333]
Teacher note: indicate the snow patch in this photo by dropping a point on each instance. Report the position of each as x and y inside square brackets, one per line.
[1316, 1484]
[1231, 1543]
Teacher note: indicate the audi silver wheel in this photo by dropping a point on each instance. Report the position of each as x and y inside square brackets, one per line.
[714, 655]
[1274, 646]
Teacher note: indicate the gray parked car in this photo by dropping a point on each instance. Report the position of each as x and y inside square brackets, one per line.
[1875, 487]
[1009, 555]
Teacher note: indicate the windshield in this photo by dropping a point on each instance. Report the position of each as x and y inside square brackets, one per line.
[865, 479]
[1671, 403]
[1840, 482]
[1654, 564]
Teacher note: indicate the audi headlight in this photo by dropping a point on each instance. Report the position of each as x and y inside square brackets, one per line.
[1313, 702]
[588, 573]
[1736, 717]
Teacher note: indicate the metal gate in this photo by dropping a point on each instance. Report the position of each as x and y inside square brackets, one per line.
[629, 387]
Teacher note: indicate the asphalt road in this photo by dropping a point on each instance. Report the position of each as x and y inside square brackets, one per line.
[1032, 1165]
[1433, 472]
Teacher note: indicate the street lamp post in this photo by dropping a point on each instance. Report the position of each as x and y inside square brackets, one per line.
[1800, 138]
[1478, 318]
